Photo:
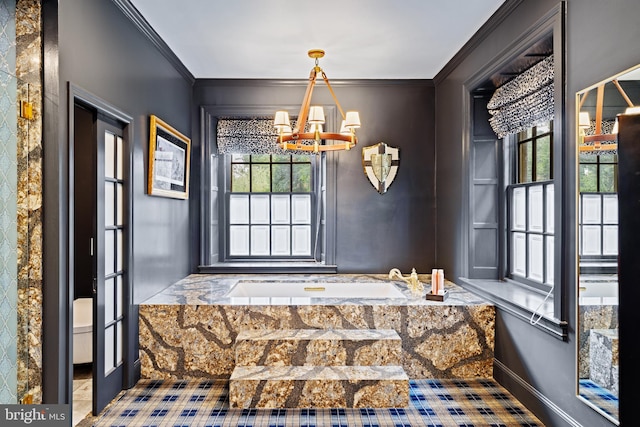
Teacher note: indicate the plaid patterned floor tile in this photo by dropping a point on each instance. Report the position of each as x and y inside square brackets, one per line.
[433, 403]
[600, 397]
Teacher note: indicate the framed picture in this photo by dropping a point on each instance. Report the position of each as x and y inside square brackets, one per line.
[169, 154]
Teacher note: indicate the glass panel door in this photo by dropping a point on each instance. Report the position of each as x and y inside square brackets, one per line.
[111, 266]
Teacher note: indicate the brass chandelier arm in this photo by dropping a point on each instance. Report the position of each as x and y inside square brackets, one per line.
[599, 104]
[623, 93]
[600, 99]
[304, 108]
[326, 80]
[584, 98]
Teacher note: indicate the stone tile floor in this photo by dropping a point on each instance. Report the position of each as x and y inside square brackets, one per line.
[82, 393]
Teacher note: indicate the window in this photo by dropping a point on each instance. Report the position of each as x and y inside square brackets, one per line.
[535, 154]
[598, 212]
[265, 209]
[270, 206]
[502, 225]
[598, 174]
[531, 208]
[598, 228]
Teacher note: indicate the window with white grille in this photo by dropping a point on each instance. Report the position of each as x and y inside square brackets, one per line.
[531, 208]
[270, 206]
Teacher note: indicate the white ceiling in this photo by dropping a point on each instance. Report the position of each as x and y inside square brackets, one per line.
[633, 74]
[363, 39]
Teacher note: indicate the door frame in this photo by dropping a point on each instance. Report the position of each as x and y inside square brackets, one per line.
[77, 95]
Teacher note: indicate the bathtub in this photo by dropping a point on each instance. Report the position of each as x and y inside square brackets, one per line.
[598, 290]
[285, 289]
[189, 329]
[597, 309]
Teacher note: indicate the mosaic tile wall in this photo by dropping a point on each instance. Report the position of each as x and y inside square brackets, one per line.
[20, 202]
[8, 204]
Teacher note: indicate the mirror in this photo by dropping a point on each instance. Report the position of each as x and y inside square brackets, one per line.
[597, 222]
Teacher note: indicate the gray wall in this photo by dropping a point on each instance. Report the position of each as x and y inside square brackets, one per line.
[94, 46]
[102, 52]
[374, 232]
[544, 362]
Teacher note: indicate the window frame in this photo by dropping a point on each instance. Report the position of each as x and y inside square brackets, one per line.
[545, 285]
[534, 138]
[598, 163]
[314, 163]
[208, 259]
[515, 181]
[522, 301]
[230, 162]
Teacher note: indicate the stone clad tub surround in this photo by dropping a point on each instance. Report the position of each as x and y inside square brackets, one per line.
[316, 368]
[189, 330]
[598, 364]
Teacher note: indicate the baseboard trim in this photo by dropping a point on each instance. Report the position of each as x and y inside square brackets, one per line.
[137, 372]
[536, 394]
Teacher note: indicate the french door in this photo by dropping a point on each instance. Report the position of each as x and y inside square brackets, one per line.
[110, 280]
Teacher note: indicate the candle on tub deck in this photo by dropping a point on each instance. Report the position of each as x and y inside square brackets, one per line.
[434, 282]
[440, 282]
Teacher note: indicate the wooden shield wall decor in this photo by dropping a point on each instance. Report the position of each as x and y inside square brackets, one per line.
[380, 162]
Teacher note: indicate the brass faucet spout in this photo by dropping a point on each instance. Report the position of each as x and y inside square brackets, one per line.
[412, 281]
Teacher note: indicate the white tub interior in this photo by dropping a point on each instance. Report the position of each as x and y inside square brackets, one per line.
[289, 290]
[598, 290]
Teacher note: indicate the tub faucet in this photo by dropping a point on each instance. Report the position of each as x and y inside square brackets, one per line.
[414, 285]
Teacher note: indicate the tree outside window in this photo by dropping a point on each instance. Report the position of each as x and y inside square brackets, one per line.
[535, 158]
[598, 173]
[264, 173]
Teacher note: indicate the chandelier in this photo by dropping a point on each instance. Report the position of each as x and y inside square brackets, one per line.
[291, 139]
[596, 138]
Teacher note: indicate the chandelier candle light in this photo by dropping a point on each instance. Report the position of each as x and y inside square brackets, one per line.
[291, 139]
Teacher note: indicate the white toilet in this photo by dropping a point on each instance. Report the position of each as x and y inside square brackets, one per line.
[82, 330]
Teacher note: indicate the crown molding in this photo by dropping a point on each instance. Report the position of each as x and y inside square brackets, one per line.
[304, 82]
[487, 28]
[145, 28]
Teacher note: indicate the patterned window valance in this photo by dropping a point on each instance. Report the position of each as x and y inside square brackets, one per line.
[248, 136]
[525, 101]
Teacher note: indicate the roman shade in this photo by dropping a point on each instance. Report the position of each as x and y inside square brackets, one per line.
[248, 136]
[524, 101]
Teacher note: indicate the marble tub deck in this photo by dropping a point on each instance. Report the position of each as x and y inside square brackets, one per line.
[188, 331]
